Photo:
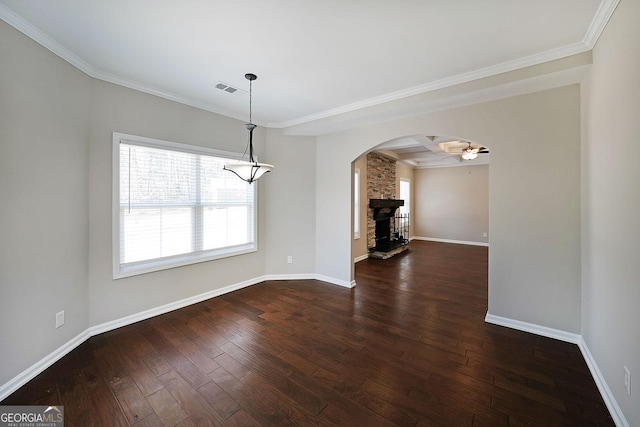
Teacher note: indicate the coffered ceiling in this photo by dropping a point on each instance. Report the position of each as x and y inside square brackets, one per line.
[314, 58]
[420, 151]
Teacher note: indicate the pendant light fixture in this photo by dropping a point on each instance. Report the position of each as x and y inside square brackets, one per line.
[252, 170]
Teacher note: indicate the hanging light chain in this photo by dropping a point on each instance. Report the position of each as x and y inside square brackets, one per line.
[250, 126]
[250, 98]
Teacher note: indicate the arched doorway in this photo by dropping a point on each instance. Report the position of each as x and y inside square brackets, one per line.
[534, 204]
[445, 195]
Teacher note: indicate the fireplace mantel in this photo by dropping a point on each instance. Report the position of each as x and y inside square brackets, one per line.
[384, 208]
[385, 203]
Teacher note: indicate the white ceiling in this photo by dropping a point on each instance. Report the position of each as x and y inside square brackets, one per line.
[314, 59]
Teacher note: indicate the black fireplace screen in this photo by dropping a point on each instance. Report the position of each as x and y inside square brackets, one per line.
[391, 232]
[401, 228]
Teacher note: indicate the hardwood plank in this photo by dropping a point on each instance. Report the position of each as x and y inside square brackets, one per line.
[308, 401]
[398, 416]
[219, 400]
[103, 403]
[190, 372]
[198, 334]
[110, 365]
[150, 421]
[242, 419]
[145, 379]
[193, 404]
[265, 404]
[433, 406]
[157, 363]
[134, 406]
[298, 362]
[231, 365]
[339, 404]
[259, 361]
[73, 389]
[166, 407]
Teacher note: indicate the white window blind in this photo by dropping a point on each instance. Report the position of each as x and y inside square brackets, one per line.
[176, 206]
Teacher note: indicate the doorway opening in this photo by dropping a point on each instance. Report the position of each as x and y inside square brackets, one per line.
[443, 195]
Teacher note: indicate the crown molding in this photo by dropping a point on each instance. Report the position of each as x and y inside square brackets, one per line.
[602, 16]
[407, 108]
[504, 67]
[47, 42]
[25, 27]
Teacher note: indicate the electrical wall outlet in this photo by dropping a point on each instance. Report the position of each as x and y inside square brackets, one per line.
[59, 319]
[289, 259]
[484, 234]
[627, 380]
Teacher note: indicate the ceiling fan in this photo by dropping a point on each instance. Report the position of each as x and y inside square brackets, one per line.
[470, 153]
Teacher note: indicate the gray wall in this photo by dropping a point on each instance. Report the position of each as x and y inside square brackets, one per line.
[611, 206]
[289, 204]
[534, 202]
[44, 222]
[115, 108]
[452, 203]
[56, 127]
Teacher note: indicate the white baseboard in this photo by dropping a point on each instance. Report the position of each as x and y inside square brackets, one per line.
[35, 369]
[335, 281]
[533, 328]
[306, 276]
[609, 400]
[360, 258]
[605, 391]
[156, 311]
[311, 276]
[147, 314]
[457, 242]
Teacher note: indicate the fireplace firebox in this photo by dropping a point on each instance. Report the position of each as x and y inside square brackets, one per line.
[391, 229]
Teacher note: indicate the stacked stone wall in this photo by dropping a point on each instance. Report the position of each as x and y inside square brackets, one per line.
[381, 184]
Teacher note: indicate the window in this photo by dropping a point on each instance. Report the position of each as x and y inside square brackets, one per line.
[174, 205]
[405, 194]
[356, 203]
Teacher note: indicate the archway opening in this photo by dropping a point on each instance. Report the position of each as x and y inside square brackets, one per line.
[445, 196]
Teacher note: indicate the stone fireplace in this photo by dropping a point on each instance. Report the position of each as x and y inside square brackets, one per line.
[387, 231]
[381, 184]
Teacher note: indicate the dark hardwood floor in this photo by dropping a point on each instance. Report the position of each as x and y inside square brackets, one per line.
[408, 346]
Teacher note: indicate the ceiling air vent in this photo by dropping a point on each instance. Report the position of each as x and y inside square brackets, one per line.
[226, 88]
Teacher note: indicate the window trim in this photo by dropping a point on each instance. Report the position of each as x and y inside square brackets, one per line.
[158, 264]
[407, 205]
[356, 203]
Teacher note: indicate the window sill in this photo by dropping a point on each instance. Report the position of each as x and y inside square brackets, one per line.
[159, 264]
